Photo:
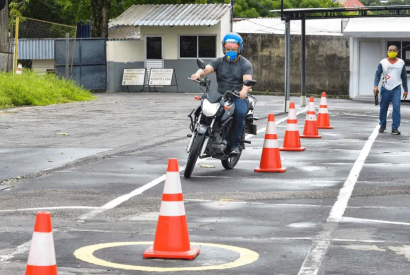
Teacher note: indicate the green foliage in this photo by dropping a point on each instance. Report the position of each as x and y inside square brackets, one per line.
[37, 90]
[369, 3]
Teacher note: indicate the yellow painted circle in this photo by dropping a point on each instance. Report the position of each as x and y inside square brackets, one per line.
[85, 254]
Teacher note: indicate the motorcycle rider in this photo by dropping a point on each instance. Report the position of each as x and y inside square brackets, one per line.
[231, 71]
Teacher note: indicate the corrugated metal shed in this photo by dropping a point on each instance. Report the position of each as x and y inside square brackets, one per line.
[172, 15]
[124, 33]
[35, 49]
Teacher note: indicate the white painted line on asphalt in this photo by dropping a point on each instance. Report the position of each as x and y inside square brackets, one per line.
[357, 220]
[318, 250]
[114, 203]
[359, 241]
[19, 250]
[345, 193]
[50, 208]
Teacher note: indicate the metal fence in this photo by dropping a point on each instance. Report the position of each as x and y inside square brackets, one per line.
[32, 44]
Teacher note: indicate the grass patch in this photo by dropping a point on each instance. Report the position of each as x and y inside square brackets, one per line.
[32, 89]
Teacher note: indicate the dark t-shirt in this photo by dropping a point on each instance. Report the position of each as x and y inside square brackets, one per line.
[229, 75]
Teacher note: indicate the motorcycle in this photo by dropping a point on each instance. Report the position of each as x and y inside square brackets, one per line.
[211, 124]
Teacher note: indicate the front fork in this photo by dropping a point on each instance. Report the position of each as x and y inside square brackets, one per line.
[206, 139]
[188, 149]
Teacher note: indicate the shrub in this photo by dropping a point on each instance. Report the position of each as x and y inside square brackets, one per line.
[33, 89]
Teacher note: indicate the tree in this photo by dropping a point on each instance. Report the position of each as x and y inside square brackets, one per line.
[369, 3]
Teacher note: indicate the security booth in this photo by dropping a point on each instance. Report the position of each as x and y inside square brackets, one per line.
[165, 37]
[369, 42]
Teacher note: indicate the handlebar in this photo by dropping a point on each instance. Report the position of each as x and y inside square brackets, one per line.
[194, 80]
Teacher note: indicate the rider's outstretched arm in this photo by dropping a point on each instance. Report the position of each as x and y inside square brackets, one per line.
[209, 69]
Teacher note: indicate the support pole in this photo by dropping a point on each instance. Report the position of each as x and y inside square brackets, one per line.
[67, 56]
[303, 67]
[232, 5]
[287, 64]
[16, 45]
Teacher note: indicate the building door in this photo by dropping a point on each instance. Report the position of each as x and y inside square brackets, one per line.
[153, 59]
[369, 58]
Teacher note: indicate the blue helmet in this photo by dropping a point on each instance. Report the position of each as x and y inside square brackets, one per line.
[232, 38]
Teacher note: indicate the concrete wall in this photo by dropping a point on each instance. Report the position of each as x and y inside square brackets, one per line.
[41, 66]
[327, 63]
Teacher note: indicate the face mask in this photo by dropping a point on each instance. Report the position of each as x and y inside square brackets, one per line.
[392, 54]
[231, 56]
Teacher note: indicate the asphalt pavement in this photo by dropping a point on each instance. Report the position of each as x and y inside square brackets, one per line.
[342, 206]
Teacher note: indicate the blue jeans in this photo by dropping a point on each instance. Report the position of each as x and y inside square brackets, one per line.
[386, 97]
[241, 107]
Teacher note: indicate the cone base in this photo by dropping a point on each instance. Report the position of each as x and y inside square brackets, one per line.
[324, 127]
[303, 136]
[271, 170]
[189, 255]
[292, 149]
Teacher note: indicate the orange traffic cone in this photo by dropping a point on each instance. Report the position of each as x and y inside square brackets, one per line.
[42, 257]
[323, 117]
[291, 142]
[270, 160]
[311, 130]
[171, 237]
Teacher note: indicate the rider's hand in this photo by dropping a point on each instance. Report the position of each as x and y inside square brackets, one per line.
[243, 94]
[376, 90]
[405, 95]
[195, 77]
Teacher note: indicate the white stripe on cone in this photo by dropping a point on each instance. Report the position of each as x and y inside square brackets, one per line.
[292, 127]
[323, 101]
[292, 114]
[311, 117]
[170, 187]
[271, 128]
[311, 106]
[271, 143]
[42, 251]
[172, 208]
[323, 111]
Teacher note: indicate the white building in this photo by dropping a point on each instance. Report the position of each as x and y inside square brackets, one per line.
[165, 36]
[369, 41]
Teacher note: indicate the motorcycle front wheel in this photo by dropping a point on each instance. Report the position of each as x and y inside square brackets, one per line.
[193, 155]
[230, 163]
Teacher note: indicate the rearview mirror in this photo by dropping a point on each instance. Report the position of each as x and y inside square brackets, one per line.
[201, 63]
[249, 82]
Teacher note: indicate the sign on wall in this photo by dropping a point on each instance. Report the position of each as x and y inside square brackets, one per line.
[133, 77]
[161, 77]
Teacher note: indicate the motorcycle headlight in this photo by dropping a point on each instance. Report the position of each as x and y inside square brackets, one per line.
[209, 109]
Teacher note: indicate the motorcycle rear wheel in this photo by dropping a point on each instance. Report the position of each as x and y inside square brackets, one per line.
[193, 155]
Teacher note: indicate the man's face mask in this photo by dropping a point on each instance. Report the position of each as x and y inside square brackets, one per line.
[231, 51]
[392, 54]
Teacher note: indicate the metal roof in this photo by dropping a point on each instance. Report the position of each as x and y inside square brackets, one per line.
[124, 33]
[172, 15]
[277, 26]
[378, 27]
[35, 49]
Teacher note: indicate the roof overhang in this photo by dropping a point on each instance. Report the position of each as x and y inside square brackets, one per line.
[378, 27]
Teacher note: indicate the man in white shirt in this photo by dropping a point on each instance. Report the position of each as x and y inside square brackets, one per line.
[393, 72]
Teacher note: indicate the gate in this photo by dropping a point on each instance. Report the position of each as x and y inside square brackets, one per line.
[89, 67]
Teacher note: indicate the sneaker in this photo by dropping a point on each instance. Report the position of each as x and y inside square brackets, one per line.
[395, 132]
[381, 129]
[235, 150]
